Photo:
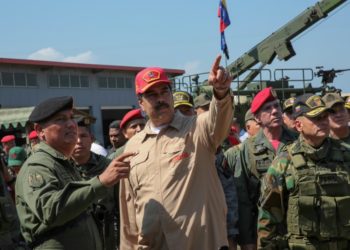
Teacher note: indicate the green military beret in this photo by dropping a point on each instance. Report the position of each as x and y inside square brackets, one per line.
[46, 109]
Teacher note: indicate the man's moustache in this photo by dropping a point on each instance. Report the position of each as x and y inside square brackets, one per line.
[161, 105]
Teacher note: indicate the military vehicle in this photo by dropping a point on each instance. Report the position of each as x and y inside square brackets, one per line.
[251, 80]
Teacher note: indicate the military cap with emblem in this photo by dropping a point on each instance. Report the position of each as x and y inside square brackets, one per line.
[288, 104]
[182, 98]
[149, 77]
[347, 102]
[330, 99]
[202, 100]
[308, 105]
[49, 107]
[264, 96]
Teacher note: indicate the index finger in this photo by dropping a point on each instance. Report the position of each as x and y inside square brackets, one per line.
[216, 64]
[124, 156]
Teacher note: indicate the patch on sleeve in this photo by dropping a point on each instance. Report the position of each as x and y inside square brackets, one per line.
[35, 180]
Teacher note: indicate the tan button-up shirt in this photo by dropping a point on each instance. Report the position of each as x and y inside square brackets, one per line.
[173, 198]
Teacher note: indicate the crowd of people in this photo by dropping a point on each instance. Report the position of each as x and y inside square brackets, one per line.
[181, 174]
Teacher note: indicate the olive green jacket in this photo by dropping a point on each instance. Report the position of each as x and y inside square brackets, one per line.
[53, 202]
[255, 156]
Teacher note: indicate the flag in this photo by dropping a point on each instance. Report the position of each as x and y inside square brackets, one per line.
[224, 23]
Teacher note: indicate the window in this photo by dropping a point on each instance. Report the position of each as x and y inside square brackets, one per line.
[64, 81]
[128, 82]
[102, 82]
[120, 82]
[68, 81]
[74, 81]
[84, 81]
[17, 79]
[54, 81]
[20, 79]
[31, 80]
[7, 79]
[112, 82]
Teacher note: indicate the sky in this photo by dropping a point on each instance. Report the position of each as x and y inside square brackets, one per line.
[181, 34]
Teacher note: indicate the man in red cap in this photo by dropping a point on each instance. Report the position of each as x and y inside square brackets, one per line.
[8, 142]
[173, 197]
[133, 122]
[256, 155]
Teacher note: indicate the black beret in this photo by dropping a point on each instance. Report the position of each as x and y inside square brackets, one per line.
[46, 109]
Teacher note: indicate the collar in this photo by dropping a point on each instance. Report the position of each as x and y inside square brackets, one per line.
[176, 123]
[315, 154]
[43, 146]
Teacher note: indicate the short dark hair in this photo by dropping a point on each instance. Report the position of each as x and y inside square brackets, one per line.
[115, 124]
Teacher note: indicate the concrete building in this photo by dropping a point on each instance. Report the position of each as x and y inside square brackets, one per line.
[106, 92]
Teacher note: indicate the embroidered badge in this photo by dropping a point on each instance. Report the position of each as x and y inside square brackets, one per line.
[180, 157]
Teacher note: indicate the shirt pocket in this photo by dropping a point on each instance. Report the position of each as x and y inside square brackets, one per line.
[179, 158]
[139, 169]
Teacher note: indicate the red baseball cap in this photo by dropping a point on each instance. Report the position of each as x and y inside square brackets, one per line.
[148, 77]
[8, 138]
[131, 115]
[33, 135]
[264, 96]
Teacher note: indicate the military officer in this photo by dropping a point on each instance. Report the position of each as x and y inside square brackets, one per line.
[52, 200]
[338, 118]
[306, 191]
[131, 124]
[183, 101]
[255, 157]
[288, 118]
[116, 137]
[90, 165]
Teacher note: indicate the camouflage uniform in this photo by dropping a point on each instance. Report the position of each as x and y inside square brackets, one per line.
[105, 210]
[305, 198]
[53, 203]
[250, 165]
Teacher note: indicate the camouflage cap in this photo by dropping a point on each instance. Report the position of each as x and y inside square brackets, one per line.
[182, 98]
[347, 102]
[308, 105]
[331, 99]
[288, 104]
[202, 100]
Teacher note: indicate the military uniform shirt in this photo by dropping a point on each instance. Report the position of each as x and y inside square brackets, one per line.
[255, 156]
[282, 182]
[173, 198]
[52, 202]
